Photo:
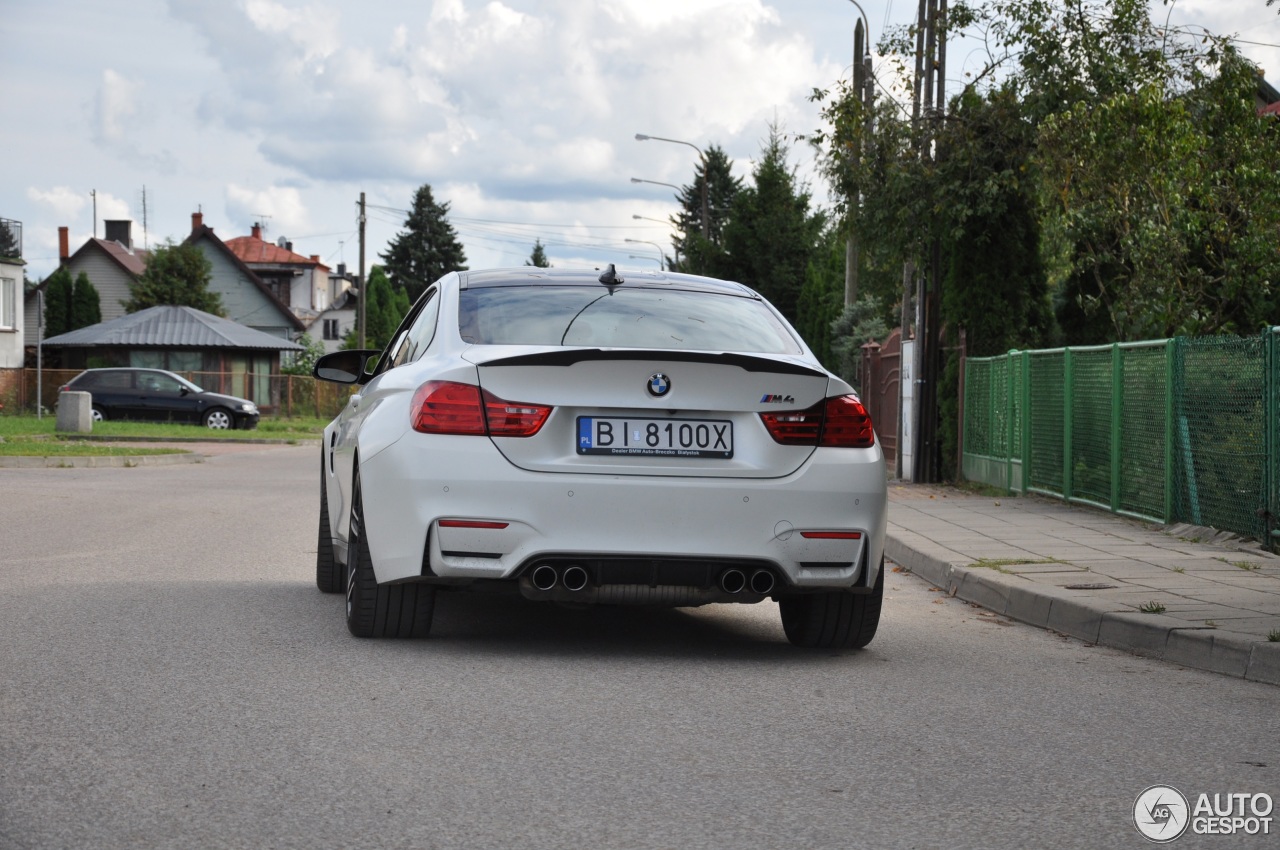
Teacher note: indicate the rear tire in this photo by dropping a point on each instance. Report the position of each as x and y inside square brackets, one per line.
[97, 414]
[330, 575]
[835, 620]
[374, 610]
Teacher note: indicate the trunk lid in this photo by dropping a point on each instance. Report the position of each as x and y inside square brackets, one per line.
[646, 412]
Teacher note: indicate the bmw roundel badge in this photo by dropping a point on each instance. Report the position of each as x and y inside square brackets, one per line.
[659, 385]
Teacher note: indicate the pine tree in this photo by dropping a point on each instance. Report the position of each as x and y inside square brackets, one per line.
[426, 249]
[771, 234]
[538, 258]
[177, 275]
[86, 307]
[700, 249]
[9, 246]
[58, 291]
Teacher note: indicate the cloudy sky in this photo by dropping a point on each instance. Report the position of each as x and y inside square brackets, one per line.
[522, 114]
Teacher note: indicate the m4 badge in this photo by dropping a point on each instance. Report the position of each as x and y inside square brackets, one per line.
[770, 398]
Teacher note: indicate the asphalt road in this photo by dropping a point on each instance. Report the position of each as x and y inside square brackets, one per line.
[172, 678]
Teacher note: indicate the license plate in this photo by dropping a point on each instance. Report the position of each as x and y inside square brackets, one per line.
[692, 438]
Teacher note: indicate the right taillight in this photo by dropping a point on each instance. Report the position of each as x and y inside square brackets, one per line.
[839, 422]
[447, 407]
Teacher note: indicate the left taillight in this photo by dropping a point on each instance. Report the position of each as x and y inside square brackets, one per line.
[447, 407]
[838, 422]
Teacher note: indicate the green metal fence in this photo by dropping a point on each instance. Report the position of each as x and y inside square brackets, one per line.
[1177, 430]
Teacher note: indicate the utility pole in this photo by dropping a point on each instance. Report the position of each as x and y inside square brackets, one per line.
[928, 111]
[851, 246]
[364, 295]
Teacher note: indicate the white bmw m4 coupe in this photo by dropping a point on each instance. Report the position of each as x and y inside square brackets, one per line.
[615, 438]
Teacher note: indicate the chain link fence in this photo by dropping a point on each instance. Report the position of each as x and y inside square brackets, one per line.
[1178, 430]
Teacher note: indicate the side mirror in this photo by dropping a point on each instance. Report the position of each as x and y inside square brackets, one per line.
[343, 367]
[183, 391]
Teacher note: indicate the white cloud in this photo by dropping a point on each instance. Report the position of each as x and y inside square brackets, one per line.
[63, 201]
[283, 206]
[111, 207]
[116, 106]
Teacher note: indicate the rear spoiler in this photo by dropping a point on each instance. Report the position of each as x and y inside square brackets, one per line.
[568, 357]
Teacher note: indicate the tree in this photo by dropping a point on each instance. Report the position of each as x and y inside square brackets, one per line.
[538, 258]
[58, 291]
[697, 249]
[303, 361]
[176, 274]
[427, 249]
[771, 234]
[86, 307]
[822, 296]
[9, 246]
[385, 307]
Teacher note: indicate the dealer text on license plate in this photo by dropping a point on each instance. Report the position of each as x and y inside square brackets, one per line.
[694, 438]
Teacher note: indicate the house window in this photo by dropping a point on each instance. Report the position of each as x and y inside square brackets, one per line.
[8, 316]
[331, 329]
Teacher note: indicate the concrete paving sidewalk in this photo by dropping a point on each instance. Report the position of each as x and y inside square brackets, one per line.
[1178, 594]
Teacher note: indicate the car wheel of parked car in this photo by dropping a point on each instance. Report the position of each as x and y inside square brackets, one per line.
[217, 418]
[373, 610]
[329, 573]
[835, 620]
[98, 414]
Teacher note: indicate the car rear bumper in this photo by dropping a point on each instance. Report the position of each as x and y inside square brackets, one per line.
[415, 483]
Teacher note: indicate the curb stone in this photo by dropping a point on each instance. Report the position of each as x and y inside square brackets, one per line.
[1151, 635]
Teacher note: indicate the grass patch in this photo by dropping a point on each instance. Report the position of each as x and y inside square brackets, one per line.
[1274, 635]
[19, 447]
[1244, 565]
[1179, 569]
[270, 428]
[979, 488]
[1000, 565]
[1151, 608]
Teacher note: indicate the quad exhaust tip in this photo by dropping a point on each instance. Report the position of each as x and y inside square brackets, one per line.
[574, 578]
[761, 581]
[544, 577]
[733, 581]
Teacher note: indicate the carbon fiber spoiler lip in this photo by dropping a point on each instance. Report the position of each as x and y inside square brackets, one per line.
[568, 357]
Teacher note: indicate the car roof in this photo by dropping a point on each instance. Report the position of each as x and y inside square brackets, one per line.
[630, 278]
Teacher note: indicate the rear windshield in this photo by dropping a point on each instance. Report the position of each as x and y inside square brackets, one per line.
[627, 318]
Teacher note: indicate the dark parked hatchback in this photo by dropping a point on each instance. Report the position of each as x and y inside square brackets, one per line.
[160, 396]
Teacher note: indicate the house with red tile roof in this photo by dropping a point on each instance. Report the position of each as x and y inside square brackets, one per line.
[246, 297]
[300, 283]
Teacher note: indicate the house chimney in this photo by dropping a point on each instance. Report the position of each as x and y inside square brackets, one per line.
[64, 245]
[315, 258]
[197, 221]
[342, 269]
[119, 231]
[256, 231]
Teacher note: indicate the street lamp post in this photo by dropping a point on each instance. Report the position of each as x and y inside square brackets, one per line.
[655, 183]
[661, 257]
[675, 244]
[706, 178]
